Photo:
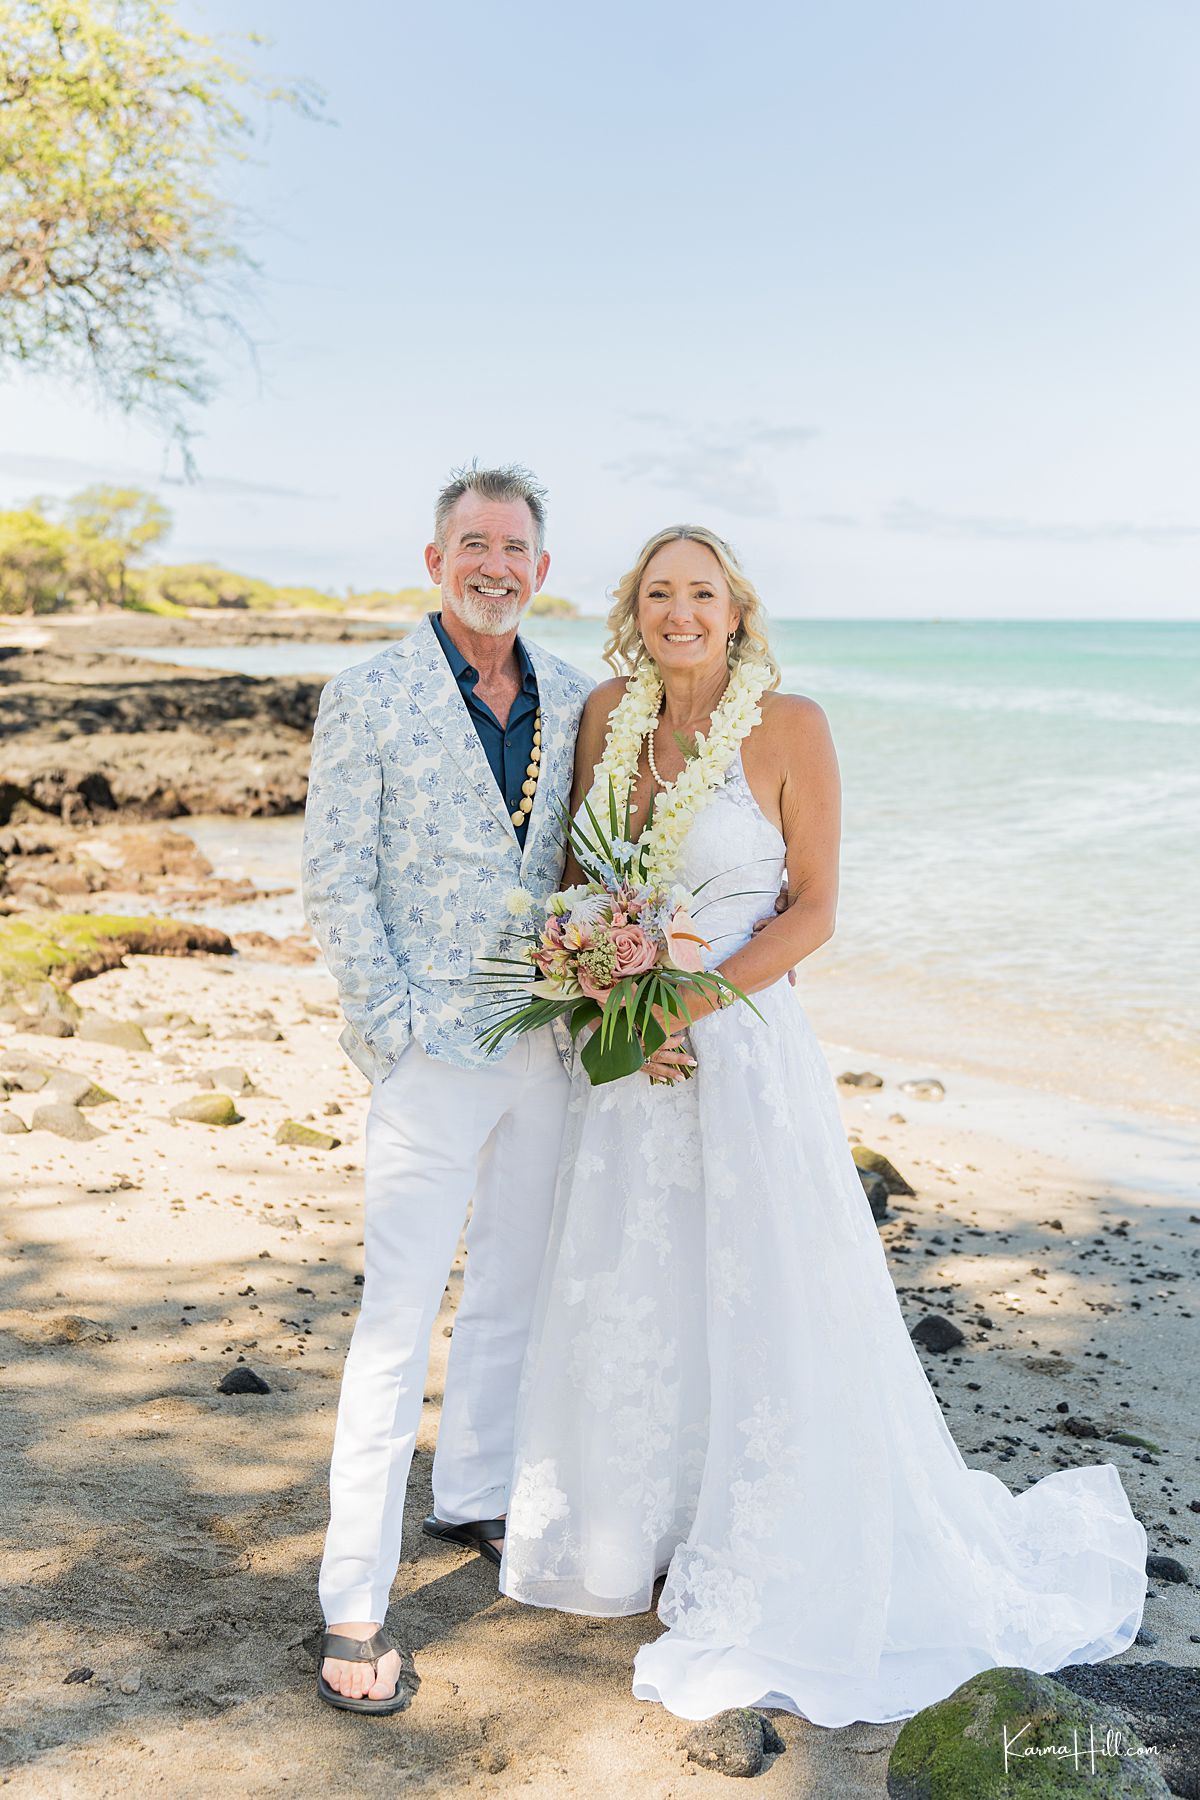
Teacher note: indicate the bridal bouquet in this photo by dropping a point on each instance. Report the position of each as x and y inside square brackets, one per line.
[618, 952]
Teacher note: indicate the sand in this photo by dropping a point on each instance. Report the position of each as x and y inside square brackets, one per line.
[165, 1537]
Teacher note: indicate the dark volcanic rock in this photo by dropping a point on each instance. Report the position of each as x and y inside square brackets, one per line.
[88, 736]
[1162, 1706]
[773, 1744]
[1166, 1568]
[937, 1333]
[242, 1380]
[734, 1743]
[876, 1190]
[878, 1164]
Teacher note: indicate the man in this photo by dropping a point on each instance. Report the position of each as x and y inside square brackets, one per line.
[438, 771]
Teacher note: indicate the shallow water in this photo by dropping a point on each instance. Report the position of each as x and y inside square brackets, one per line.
[1022, 832]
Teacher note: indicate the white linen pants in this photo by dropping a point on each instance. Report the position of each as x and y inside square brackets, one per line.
[439, 1137]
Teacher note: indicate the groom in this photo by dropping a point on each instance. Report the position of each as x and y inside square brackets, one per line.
[438, 771]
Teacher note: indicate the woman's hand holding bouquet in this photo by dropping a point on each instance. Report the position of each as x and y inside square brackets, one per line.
[613, 955]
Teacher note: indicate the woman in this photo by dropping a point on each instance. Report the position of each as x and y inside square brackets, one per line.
[719, 1382]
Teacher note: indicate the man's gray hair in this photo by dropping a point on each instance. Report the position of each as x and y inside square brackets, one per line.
[512, 482]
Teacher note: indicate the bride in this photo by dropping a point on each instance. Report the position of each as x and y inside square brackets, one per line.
[719, 1383]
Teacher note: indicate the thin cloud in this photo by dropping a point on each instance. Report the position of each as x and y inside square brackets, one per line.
[229, 484]
[70, 470]
[907, 516]
[727, 469]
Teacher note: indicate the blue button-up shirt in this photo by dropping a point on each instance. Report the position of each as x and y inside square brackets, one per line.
[507, 747]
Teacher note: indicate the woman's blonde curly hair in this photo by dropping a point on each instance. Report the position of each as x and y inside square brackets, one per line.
[625, 649]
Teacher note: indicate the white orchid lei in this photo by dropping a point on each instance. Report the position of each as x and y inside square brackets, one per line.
[674, 811]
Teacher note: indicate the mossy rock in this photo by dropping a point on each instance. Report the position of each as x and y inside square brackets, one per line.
[66, 947]
[876, 1163]
[119, 1034]
[208, 1109]
[64, 1120]
[876, 1190]
[955, 1750]
[230, 1076]
[304, 1136]
[78, 1090]
[1131, 1438]
[53, 1002]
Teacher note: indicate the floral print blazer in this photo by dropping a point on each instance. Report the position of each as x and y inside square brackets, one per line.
[410, 853]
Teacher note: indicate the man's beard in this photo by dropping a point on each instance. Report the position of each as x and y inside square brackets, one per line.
[491, 618]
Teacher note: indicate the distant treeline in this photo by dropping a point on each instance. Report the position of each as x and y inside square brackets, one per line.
[91, 551]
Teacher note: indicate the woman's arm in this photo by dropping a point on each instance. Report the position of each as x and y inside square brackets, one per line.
[800, 747]
[589, 748]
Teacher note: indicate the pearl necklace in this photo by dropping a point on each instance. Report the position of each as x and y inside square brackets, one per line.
[635, 716]
[650, 736]
[529, 785]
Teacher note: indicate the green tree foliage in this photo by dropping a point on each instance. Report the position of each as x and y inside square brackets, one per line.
[111, 529]
[118, 249]
[209, 585]
[33, 562]
[86, 556]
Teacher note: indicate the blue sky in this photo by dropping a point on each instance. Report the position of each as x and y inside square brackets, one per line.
[901, 298]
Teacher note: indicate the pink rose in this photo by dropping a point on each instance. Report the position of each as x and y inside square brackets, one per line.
[591, 988]
[684, 942]
[635, 952]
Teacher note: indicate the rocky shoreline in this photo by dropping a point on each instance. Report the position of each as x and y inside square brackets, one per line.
[90, 735]
[121, 629]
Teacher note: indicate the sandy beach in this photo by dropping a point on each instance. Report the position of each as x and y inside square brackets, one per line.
[886, 535]
[160, 1537]
[164, 1536]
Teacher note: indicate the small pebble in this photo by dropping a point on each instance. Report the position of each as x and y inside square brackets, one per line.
[242, 1380]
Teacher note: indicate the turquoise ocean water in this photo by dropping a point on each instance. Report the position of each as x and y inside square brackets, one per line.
[1021, 837]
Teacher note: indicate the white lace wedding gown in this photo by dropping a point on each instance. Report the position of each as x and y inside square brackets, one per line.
[720, 1385]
